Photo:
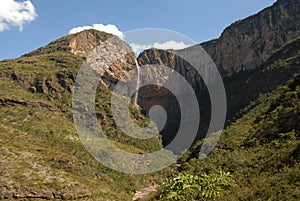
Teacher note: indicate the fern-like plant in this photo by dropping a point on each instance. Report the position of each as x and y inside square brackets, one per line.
[193, 187]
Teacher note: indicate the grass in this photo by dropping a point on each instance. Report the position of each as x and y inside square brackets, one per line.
[260, 147]
[245, 87]
[41, 155]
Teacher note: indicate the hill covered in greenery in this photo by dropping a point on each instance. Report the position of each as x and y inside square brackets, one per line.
[41, 156]
[261, 147]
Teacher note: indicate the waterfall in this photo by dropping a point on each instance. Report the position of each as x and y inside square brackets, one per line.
[137, 83]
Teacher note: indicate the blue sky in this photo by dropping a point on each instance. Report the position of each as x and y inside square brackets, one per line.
[200, 20]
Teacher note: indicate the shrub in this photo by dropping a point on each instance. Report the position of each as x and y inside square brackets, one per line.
[193, 187]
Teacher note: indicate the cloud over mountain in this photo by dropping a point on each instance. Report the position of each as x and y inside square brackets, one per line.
[109, 28]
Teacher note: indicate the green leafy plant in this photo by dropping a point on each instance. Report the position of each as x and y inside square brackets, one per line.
[193, 187]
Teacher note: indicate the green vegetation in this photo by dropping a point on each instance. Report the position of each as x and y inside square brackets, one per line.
[41, 156]
[245, 87]
[193, 187]
[260, 149]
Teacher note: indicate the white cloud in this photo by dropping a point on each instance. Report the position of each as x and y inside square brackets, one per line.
[138, 48]
[109, 28]
[16, 13]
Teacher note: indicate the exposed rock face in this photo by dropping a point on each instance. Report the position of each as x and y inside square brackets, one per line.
[107, 54]
[247, 43]
[83, 43]
[243, 46]
[173, 61]
[111, 59]
[155, 95]
[79, 44]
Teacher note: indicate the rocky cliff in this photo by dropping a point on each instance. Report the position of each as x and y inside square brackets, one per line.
[168, 99]
[247, 43]
[98, 49]
[244, 46]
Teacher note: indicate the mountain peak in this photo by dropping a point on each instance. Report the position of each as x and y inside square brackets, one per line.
[79, 44]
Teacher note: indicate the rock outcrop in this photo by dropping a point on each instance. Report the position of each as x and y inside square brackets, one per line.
[98, 49]
[243, 46]
[154, 95]
[247, 43]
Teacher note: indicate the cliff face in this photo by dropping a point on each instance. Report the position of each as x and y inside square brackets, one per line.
[80, 44]
[151, 96]
[244, 46]
[248, 43]
[173, 61]
[98, 49]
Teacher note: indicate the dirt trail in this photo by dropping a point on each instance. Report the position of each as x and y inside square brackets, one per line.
[142, 193]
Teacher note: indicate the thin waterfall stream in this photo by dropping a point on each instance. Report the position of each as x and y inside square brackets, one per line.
[137, 83]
